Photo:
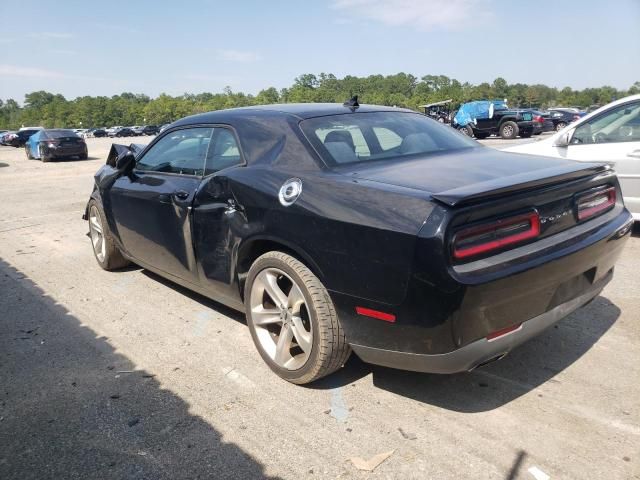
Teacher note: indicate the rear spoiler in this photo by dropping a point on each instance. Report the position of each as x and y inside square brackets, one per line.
[521, 182]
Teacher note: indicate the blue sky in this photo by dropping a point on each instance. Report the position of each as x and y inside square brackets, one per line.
[204, 45]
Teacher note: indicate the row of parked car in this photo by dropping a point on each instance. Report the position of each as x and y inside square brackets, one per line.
[483, 118]
[120, 131]
[19, 138]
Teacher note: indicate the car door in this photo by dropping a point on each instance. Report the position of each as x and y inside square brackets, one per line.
[152, 206]
[613, 137]
[218, 218]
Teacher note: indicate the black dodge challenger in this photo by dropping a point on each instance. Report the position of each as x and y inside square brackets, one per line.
[358, 227]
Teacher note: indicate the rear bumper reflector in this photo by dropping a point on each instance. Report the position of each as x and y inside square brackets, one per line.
[367, 312]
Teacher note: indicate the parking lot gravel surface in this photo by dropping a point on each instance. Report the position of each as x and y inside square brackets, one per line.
[126, 375]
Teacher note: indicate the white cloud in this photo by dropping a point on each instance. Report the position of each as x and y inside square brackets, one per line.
[17, 71]
[419, 14]
[238, 56]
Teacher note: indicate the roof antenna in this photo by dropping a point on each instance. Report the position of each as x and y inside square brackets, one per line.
[352, 103]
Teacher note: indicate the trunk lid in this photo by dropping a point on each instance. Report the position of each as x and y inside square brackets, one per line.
[473, 175]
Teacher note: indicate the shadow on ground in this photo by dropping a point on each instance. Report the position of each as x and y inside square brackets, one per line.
[486, 388]
[67, 412]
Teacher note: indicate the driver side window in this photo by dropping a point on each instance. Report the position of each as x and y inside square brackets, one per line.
[622, 124]
[182, 151]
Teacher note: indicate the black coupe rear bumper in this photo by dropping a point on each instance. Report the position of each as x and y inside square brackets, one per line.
[489, 308]
[481, 351]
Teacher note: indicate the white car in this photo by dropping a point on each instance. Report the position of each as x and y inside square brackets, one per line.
[609, 134]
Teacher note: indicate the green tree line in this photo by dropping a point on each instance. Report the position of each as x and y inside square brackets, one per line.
[402, 89]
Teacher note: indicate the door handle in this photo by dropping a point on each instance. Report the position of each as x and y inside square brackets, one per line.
[177, 195]
[634, 154]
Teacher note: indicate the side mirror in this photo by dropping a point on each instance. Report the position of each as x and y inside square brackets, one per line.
[125, 163]
[564, 139]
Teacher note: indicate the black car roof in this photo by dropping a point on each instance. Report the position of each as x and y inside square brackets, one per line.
[299, 110]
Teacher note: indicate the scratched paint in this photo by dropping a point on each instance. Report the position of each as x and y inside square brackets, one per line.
[339, 409]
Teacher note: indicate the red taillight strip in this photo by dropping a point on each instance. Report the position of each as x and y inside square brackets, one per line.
[503, 331]
[534, 231]
[591, 211]
[367, 312]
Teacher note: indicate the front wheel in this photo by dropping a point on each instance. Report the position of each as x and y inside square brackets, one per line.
[104, 247]
[466, 130]
[292, 319]
[560, 126]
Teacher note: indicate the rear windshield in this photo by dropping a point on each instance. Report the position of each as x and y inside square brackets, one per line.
[361, 137]
[61, 133]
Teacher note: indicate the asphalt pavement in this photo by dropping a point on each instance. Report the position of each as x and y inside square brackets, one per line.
[126, 375]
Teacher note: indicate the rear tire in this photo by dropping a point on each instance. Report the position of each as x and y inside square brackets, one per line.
[105, 250]
[560, 126]
[509, 130]
[43, 156]
[28, 152]
[292, 319]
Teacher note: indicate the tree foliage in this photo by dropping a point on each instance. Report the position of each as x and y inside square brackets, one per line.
[402, 89]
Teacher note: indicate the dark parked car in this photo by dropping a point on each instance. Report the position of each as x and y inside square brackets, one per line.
[541, 122]
[55, 143]
[562, 118]
[364, 228]
[21, 136]
[122, 132]
[99, 132]
[484, 118]
[150, 130]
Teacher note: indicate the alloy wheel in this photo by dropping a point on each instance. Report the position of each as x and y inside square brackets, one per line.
[96, 233]
[508, 130]
[281, 318]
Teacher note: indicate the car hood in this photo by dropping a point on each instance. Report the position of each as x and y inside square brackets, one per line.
[469, 175]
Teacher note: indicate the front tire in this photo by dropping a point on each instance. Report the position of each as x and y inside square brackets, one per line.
[509, 130]
[560, 126]
[28, 152]
[105, 250]
[292, 319]
[466, 130]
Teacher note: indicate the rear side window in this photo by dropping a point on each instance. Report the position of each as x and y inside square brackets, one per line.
[361, 137]
[223, 152]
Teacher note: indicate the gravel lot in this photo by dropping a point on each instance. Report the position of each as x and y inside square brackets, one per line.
[125, 375]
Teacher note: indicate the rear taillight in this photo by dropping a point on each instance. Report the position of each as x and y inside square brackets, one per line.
[595, 203]
[538, 119]
[576, 117]
[482, 239]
